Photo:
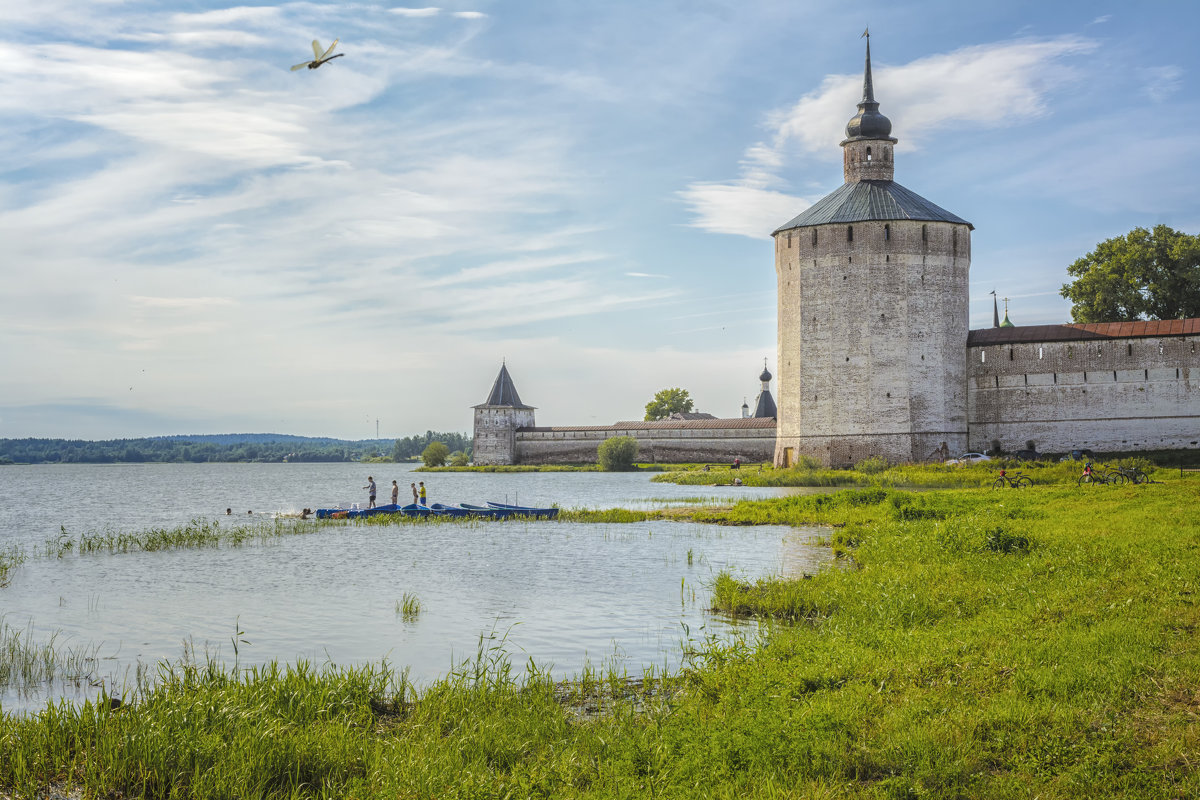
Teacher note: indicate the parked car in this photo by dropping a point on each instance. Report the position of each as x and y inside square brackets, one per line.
[968, 458]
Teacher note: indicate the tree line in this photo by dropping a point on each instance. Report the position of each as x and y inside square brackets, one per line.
[219, 448]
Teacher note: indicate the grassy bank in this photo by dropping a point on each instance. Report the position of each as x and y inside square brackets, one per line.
[913, 476]
[543, 468]
[980, 644]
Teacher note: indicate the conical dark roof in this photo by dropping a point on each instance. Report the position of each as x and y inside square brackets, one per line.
[503, 392]
[766, 405]
[863, 201]
[869, 123]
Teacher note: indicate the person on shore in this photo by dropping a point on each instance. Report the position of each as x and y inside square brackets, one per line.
[424, 500]
[416, 497]
[370, 487]
[737, 462]
[395, 492]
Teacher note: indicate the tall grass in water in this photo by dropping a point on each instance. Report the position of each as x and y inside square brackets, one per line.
[408, 607]
[11, 557]
[27, 666]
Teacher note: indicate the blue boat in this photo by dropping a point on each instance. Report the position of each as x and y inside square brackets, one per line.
[526, 511]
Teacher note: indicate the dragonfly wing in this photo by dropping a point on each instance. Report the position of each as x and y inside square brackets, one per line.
[316, 49]
[330, 50]
[301, 66]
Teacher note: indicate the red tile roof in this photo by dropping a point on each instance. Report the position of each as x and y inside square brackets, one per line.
[1081, 330]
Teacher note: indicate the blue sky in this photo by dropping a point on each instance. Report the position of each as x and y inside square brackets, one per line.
[194, 239]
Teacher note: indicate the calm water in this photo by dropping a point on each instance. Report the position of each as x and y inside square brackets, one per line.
[564, 594]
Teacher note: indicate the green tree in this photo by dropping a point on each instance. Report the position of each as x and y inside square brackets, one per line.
[668, 402]
[459, 459]
[1141, 275]
[435, 454]
[617, 454]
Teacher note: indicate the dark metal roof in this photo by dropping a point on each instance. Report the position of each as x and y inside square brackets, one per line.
[503, 392]
[1080, 330]
[864, 201]
[693, 424]
[766, 405]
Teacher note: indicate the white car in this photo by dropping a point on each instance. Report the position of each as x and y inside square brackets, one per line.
[968, 458]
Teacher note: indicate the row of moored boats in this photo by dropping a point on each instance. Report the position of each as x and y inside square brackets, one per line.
[489, 511]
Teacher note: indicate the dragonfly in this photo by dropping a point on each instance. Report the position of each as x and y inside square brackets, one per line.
[321, 56]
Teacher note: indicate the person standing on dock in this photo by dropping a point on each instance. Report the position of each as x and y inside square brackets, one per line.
[395, 492]
[370, 487]
[424, 500]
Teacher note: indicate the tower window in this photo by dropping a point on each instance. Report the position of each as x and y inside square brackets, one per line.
[887, 233]
[924, 233]
[789, 240]
[1039, 354]
[868, 154]
[849, 233]
[814, 237]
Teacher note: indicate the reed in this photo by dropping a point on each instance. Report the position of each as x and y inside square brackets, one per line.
[27, 666]
[408, 607]
[11, 557]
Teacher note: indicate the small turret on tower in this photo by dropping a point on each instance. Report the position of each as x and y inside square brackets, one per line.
[867, 150]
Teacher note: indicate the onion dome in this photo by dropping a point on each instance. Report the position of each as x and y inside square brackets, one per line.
[766, 375]
[868, 123]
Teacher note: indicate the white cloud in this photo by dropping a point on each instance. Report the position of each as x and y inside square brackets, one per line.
[416, 12]
[1162, 82]
[740, 209]
[987, 85]
[470, 14]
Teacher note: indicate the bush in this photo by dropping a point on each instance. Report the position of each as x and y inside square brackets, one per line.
[617, 454]
[435, 454]
[872, 465]
[459, 459]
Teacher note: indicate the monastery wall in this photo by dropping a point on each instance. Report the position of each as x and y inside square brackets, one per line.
[663, 444]
[1109, 394]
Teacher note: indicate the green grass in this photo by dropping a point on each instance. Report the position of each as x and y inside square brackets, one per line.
[541, 468]
[977, 644]
[11, 557]
[408, 607]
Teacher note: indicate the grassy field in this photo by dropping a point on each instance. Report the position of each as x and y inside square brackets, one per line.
[977, 644]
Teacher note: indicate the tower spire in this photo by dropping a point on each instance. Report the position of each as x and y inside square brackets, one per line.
[995, 310]
[868, 87]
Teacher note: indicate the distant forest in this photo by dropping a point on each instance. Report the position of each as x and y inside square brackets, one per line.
[221, 447]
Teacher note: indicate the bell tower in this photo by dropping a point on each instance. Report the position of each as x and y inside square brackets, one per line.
[872, 317]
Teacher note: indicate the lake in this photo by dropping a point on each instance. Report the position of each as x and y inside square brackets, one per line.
[565, 594]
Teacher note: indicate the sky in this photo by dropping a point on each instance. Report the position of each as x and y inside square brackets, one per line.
[196, 239]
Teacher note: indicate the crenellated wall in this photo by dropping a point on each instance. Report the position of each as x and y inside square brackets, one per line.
[751, 440]
[1103, 394]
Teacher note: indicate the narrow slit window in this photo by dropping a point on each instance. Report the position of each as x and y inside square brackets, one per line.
[924, 233]
[814, 237]
[849, 233]
[887, 233]
[868, 154]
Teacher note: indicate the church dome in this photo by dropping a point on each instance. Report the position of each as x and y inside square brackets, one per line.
[766, 375]
[868, 123]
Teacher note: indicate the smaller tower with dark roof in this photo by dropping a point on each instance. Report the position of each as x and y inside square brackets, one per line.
[765, 406]
[497, 421]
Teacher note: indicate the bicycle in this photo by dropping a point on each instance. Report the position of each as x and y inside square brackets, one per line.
[1018, 481]
[1090, 476]
[1134, 475]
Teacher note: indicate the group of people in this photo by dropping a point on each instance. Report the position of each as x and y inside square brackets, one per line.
[418, 491]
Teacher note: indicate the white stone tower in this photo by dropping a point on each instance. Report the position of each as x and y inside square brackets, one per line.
[497, 421]
[872, 313]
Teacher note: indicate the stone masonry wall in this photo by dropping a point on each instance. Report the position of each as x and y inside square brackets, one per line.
[495, 433]
[1112, 394]
[579, 445]
[872, 332]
